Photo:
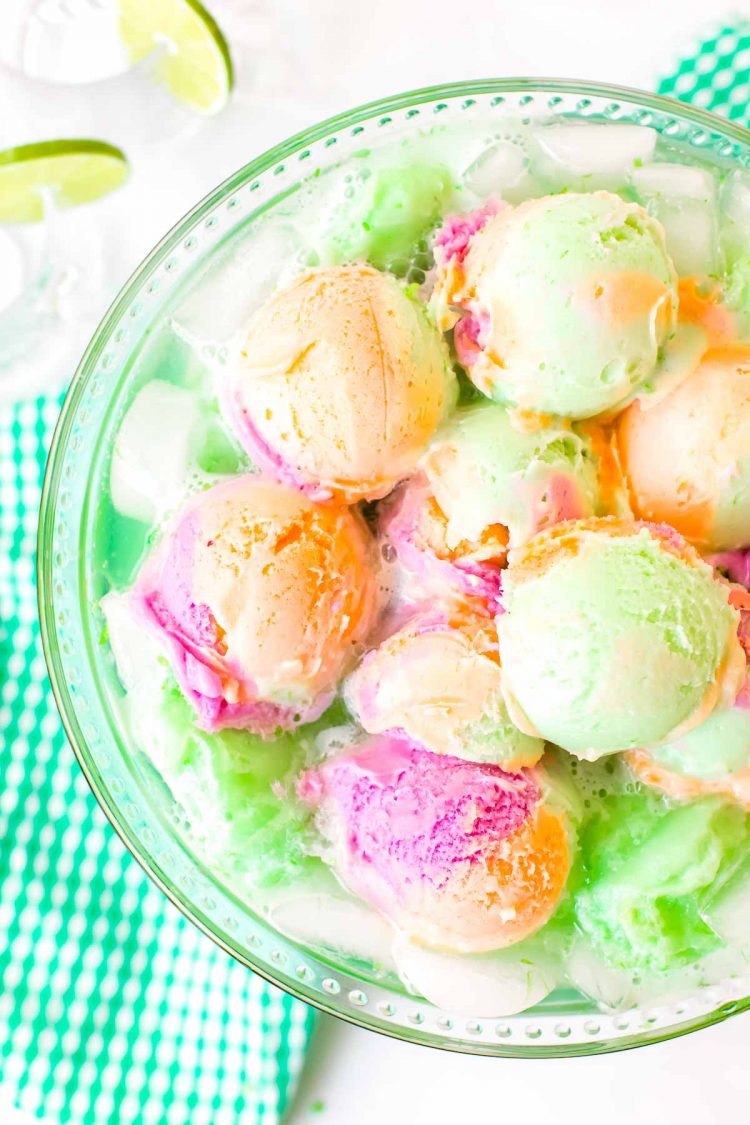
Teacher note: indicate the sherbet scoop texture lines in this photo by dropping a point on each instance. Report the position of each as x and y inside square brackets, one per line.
[113, 1007]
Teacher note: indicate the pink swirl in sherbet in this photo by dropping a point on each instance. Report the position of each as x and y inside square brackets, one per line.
[454, 237]
[562, 501]
[739, 598]
[451, 246]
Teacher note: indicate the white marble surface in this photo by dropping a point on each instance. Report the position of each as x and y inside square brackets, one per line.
[303, 60]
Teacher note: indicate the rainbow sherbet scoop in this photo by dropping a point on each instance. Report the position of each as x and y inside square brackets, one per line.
[444, 655]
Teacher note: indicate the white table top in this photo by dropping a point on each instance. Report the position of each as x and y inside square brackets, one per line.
[365, 1078]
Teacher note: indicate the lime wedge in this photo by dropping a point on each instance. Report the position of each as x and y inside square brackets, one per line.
[196, 65]
[72, 171]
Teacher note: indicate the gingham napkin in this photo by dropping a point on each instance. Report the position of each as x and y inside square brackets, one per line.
[113, 1008]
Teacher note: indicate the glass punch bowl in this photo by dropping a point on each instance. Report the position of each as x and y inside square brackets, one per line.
[566, 1023]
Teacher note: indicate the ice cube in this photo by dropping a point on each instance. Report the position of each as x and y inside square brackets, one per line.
[690, 228]
[141, 669]
[498, 984]
[683, 199]
[154, 451]
[144, 672]
[676, 181]
[238, 282]
[654, 990]
[612, 988]
[335, 921]
[735, 222]
[598, 153]
[502, 169]
[727, 908]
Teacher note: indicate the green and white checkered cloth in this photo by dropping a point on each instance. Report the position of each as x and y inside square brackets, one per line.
[716, 74]
[113, 1008]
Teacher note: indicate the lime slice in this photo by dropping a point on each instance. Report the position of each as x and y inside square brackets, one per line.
[196, 65]
[72, 171]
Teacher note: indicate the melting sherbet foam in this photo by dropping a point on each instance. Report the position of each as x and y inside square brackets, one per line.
[645, 638]
[736, 292]
[712, 759]
[574, 294]
[459, 855]
[259, 596]
[339, 382]
[225, 786]
[717, 747]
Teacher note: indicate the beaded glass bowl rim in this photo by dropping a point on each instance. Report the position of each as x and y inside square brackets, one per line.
[304, 975]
